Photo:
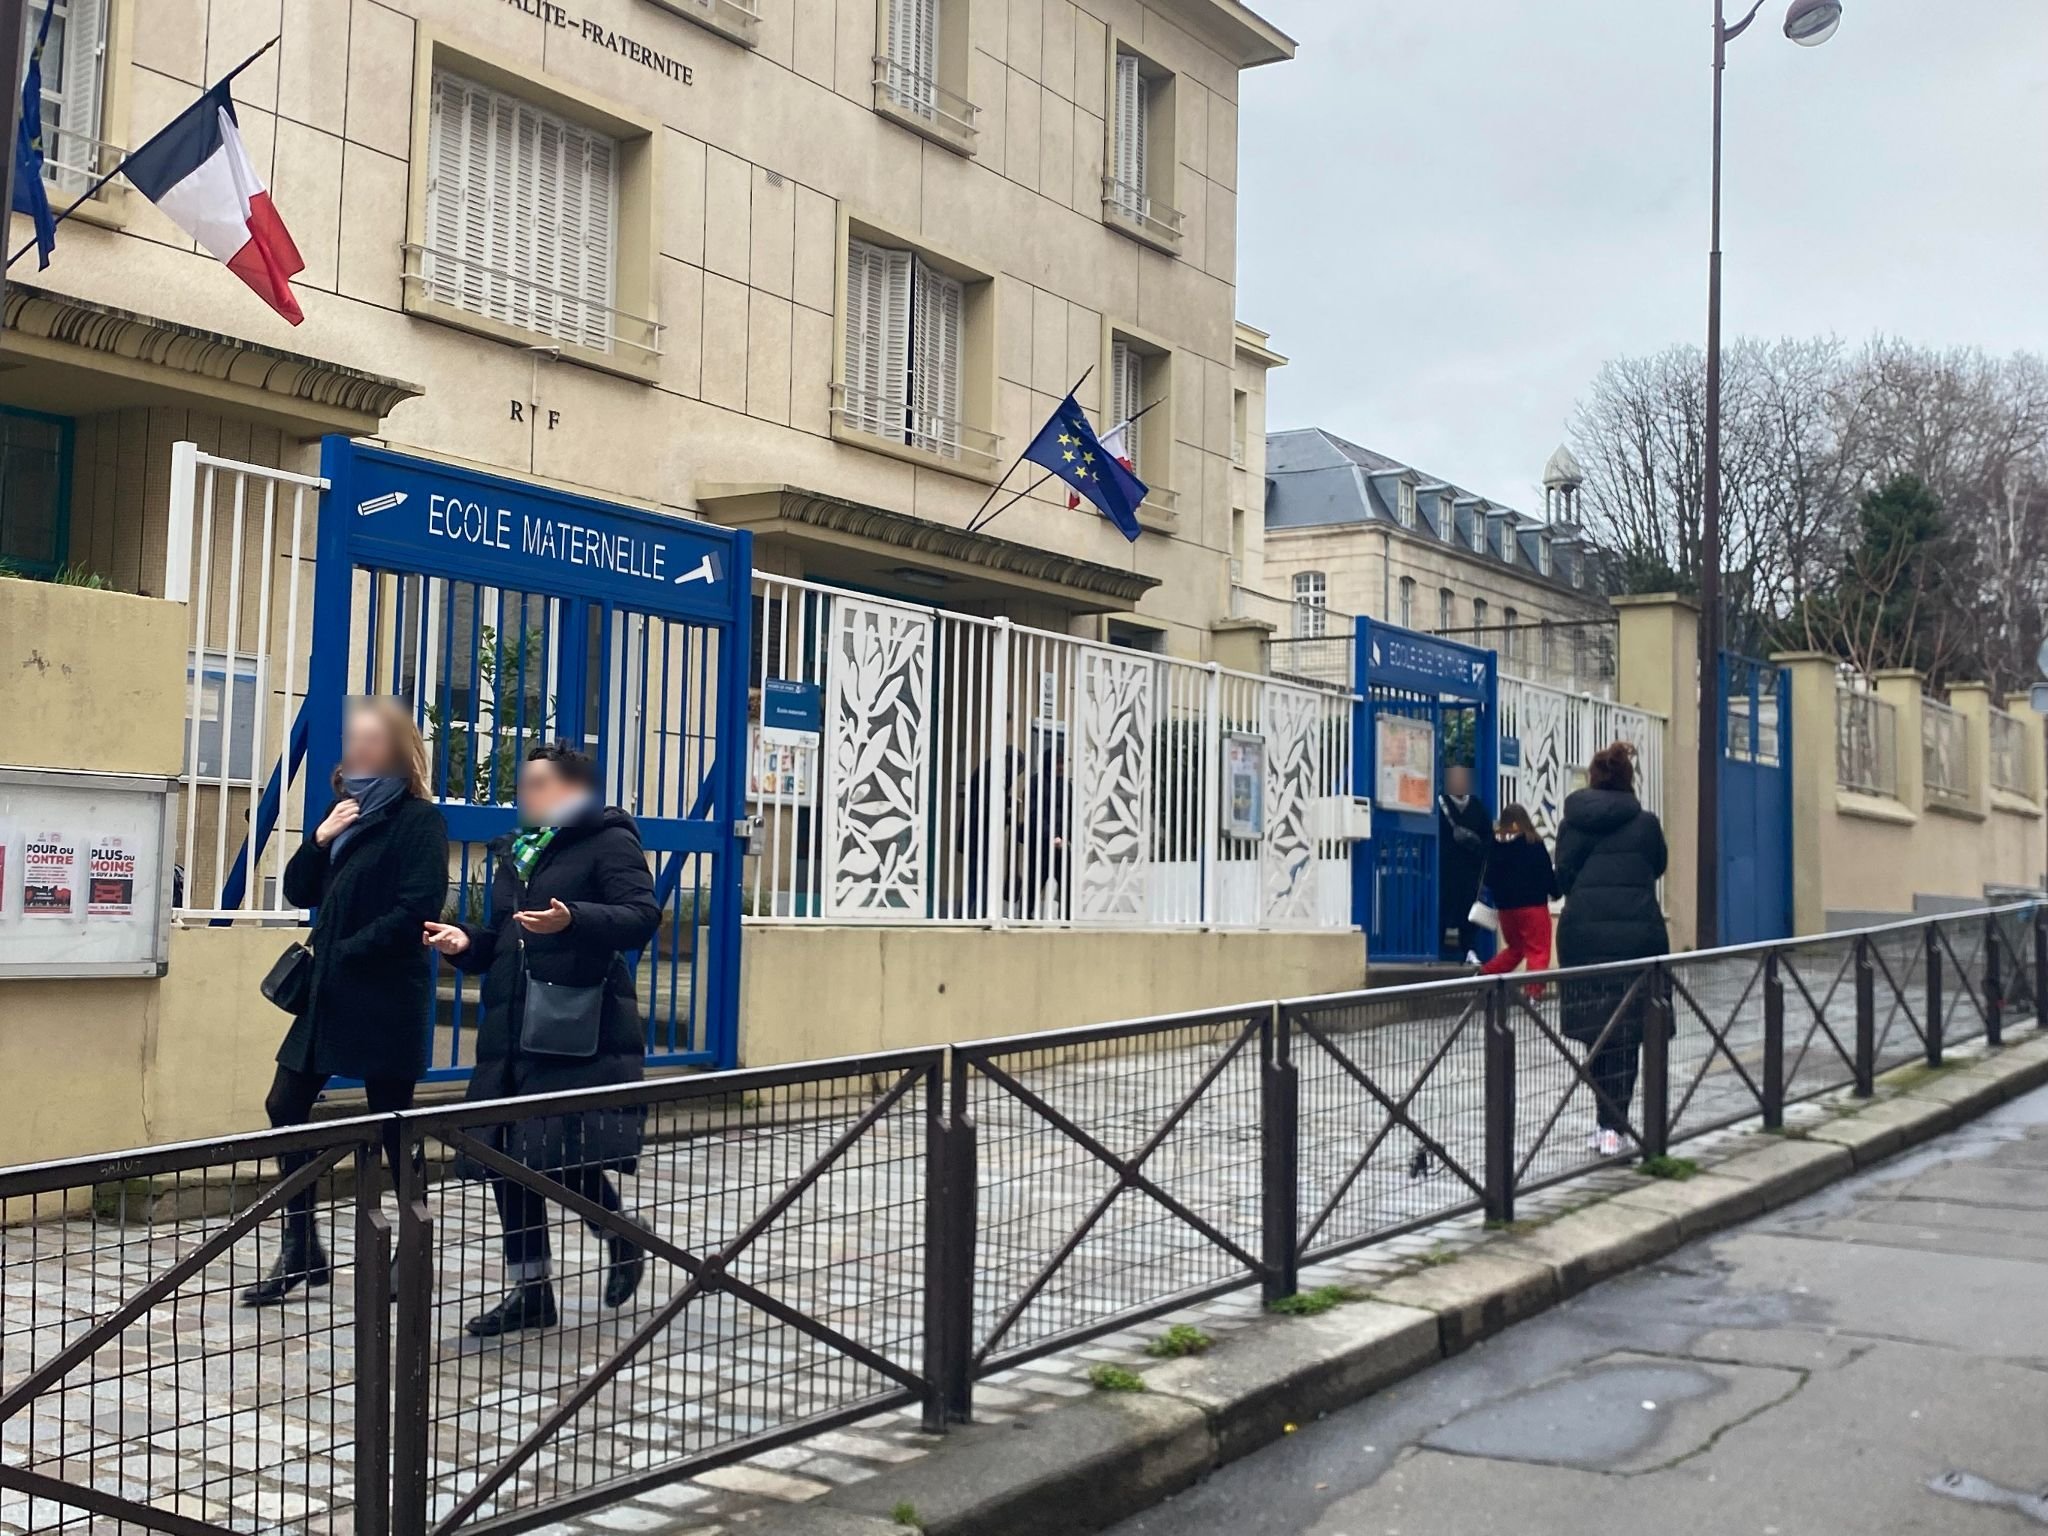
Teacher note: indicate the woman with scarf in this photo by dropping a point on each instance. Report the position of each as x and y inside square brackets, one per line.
[570, 900]
[374, 869]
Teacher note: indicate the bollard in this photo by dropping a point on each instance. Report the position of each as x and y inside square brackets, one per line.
[1994, 995]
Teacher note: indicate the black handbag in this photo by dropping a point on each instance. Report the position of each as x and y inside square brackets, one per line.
[289, 982]
[559, 1020]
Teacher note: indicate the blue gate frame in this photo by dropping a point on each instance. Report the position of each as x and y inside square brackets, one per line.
[506, 614]
[1394, 875]
[1755, 727]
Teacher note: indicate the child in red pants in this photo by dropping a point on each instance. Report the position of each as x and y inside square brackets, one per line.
[1522, 882]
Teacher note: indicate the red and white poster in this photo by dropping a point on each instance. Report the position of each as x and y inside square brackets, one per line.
[110, 879]
[49, 874]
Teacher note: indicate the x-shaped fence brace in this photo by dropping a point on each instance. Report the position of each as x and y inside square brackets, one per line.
[1581, 1070]
[1720, 1045]
[53, 1371]
[1819, 1010]
[1398, 1117]
[1962, 974]
[2020, 984]
[1902, 1001]
[1128, 1170]
[706, 1274]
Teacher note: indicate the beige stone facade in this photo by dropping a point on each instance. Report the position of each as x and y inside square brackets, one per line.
[751, 151]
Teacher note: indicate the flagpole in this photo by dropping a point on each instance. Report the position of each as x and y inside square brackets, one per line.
[94, 190]
[996, 489]
[981, 523]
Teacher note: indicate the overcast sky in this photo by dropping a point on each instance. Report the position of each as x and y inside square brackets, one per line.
[1453, 213]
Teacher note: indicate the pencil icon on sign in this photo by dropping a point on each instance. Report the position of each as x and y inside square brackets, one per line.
[378, 504]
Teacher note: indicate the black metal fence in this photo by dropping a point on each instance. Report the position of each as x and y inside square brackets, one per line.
[710, 1267]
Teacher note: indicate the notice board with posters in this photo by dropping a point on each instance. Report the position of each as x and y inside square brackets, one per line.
[85, 873]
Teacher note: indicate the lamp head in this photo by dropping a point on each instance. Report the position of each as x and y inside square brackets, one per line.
[1810, 23]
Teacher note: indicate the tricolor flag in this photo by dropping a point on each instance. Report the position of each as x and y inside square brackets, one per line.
[198, 173]
[1117, 441]
[1068, 447]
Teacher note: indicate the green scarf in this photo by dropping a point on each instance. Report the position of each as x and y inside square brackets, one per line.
[527, 846]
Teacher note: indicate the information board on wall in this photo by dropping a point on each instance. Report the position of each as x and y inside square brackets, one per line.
[85, 873]
[1407, 763]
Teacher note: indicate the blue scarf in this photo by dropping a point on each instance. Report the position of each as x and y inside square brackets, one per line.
[372, 792]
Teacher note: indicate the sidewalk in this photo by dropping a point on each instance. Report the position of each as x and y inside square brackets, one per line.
[1432, 1293]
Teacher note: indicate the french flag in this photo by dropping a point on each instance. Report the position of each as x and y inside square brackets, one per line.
[199, 174]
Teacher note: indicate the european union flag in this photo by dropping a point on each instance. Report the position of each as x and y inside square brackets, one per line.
[1069, 448]
[30, 195]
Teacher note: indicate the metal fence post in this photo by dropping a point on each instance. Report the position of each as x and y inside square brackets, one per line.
[412, 1340]
[940, 1367]
[1500, 1108]
[1774, 1045]
[372, 1349]
[1934, 1006]
[2041, 966]
[1657, 1065]
[1279, 1157]
[1994, 992]
[1866, 1021]
[952, 1176]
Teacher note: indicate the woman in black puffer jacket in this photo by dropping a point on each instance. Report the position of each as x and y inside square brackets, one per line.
[1610, 856]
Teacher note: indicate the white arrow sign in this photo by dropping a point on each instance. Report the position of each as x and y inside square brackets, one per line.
[706, 572]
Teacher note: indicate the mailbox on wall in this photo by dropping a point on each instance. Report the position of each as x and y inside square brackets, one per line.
[85, 873]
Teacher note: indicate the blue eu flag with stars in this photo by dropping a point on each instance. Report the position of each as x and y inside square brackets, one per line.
[31, 197]
[1069, 448]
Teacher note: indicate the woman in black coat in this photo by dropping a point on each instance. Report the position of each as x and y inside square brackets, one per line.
[1610, 856]
[571, 898]
[374, 869]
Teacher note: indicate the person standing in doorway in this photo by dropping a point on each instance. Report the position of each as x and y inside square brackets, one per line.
[1464, 834]
[374, 869]
[570, 900]
[1522, 883]
[1610, 856]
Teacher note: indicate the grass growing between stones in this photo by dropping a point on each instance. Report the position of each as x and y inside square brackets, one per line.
[1180, 1340]
[1678, 1169]
[1313, 1303]
[1114, 1378]
[905, 1514]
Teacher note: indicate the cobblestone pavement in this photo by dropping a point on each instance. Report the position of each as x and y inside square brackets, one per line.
[246, 1418]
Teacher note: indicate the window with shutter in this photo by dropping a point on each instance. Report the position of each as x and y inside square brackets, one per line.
[914, 55]
[940, 312]
[1133, 98]
[1127, 396]
[522, 215]
[74, 74]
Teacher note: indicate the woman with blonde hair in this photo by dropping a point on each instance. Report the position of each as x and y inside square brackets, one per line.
[375, 869]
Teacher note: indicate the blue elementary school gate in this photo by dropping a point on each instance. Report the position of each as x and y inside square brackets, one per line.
[1756, 800]
[506, 615]
[1425, 703]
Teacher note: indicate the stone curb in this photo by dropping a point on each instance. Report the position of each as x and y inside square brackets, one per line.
[1090, 1463]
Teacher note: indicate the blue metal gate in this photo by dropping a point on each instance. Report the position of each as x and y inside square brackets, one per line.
[1452, 692]
[1756, 800]
[507, 615]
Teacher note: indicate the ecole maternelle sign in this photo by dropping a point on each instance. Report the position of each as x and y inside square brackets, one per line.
[552, 14]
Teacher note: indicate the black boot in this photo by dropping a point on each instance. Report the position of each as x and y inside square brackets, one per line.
[622, 1275]
[300, 1261]
[528, 1305]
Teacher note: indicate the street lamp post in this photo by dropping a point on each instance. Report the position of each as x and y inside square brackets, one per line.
[1808, 23]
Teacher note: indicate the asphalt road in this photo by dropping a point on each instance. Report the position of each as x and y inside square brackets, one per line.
[1873, 1360]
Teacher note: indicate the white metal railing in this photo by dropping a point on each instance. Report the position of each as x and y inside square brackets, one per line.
[1554, 736]
[974, 771]
[894, 419]
[1138, 207]
[2009, 753]
[1944, 751]
[922, 96]
[240, 553]
[495, 293]
[1866, 743]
